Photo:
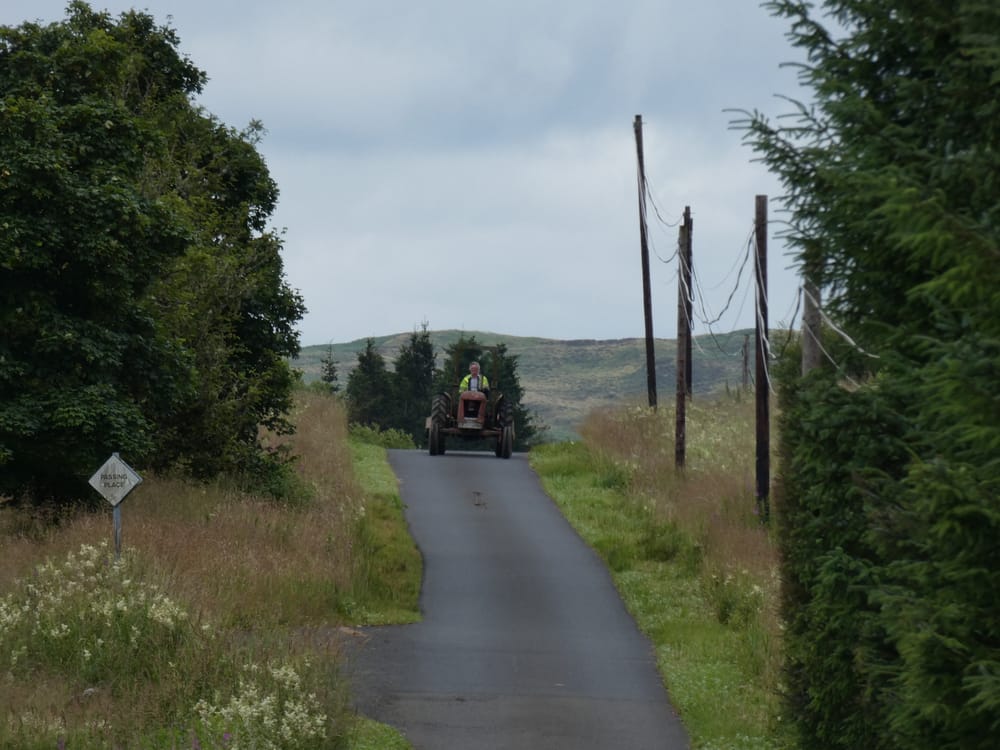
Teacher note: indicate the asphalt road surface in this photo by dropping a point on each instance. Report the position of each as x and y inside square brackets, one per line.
[524, 642]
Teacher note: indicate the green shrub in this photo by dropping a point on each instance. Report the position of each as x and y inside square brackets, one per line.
[665, 541]
[736, 598]
[374, 435]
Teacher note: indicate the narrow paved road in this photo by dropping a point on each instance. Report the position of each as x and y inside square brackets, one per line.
[525, 642]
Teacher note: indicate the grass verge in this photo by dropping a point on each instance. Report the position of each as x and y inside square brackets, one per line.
[389, 568]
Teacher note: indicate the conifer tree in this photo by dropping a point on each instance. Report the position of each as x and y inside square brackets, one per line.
[891, 485]
[414, 374]
[328, 370]
[369, 390]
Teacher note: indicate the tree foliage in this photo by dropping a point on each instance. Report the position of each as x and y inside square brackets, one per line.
[328, 370]
[890, 489]
[142, 303]
[412, 384]
[225, 301]
[369, 390]
[398, 399]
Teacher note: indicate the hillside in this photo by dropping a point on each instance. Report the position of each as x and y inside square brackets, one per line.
[565, 380]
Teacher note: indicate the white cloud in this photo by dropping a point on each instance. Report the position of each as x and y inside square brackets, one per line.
[473, 165]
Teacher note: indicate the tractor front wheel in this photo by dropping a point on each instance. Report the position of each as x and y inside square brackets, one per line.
[505, 418]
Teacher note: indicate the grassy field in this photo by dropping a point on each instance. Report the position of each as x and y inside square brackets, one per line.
[222, 624]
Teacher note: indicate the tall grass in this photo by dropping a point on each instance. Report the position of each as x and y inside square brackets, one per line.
[219, 626]
[688, 553]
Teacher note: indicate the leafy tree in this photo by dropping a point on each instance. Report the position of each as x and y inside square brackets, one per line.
[369, 390]
[328, 370]
[412, 384]
[81, 246]
[226, 300]
[142, 304]
[892, 194]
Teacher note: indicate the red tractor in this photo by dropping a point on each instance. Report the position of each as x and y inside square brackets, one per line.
[471, 415]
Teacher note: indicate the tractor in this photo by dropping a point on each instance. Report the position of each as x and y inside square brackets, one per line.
[471, 415]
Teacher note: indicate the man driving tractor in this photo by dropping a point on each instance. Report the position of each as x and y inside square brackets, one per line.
[474, 382]
[471, 413]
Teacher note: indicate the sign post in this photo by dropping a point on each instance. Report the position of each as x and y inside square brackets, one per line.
[114, 480]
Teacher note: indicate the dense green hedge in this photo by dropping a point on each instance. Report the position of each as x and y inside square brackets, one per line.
[888, 528]
[889, 506]
[831, 439]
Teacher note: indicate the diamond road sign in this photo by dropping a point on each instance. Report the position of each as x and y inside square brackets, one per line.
[115, 480]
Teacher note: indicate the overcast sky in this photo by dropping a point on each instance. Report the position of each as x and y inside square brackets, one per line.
[473, 165]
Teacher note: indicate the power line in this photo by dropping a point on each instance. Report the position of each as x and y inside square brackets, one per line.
[739, 281]
[791, 325]
[725, 308]
[656, 210]
[747, 244]
[766, 340]
[841, 333]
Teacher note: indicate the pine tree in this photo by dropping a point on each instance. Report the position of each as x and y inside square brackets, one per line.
[328, 370]
[457, 358]
[414, 375]
[369, 390]
[504, 367]
[892, 510]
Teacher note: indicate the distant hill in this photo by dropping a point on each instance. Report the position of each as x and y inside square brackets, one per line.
[565, 380]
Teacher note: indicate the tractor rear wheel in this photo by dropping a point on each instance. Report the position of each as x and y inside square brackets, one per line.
[439, 418]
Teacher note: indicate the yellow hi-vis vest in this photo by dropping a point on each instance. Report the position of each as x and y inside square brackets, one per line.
[484, 382]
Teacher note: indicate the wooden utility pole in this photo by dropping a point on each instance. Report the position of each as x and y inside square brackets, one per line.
[762, 384]
[683, 336]
[647, 303]
[689, 299]
[812, 355]
[746, 362]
